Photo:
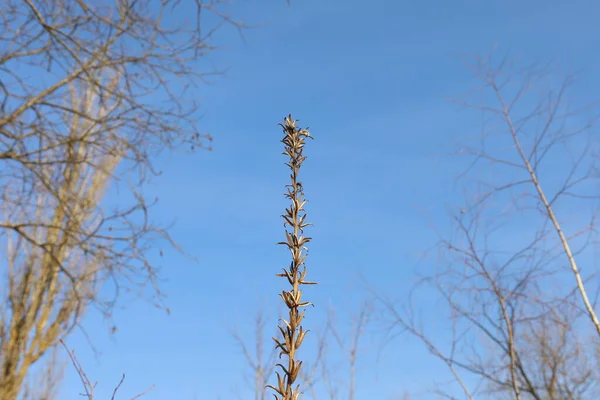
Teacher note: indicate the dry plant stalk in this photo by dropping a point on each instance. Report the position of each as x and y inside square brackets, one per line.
[295, 217]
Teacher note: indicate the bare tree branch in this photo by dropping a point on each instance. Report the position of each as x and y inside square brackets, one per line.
[88, 386]
[515, 321]
[90, 94]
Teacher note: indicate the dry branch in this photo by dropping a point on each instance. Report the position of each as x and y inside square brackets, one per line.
[90, 94]
[511, 305]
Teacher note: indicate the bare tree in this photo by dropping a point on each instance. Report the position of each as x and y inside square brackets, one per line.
[261, 361]
[316, 371]
[326, 372]
[351, 346]
[44, 384]
[89, 387]
[513, 275]
[90, 94]
[322, 373]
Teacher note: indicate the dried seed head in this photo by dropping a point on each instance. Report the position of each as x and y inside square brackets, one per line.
[294, 221]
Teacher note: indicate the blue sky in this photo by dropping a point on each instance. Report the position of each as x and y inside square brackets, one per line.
[372, 81]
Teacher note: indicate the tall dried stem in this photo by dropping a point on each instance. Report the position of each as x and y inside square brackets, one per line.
[295, 218]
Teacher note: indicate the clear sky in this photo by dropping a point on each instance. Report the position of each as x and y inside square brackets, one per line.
[371, 80]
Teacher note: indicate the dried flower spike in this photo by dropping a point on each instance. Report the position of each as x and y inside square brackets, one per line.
[295, 220]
